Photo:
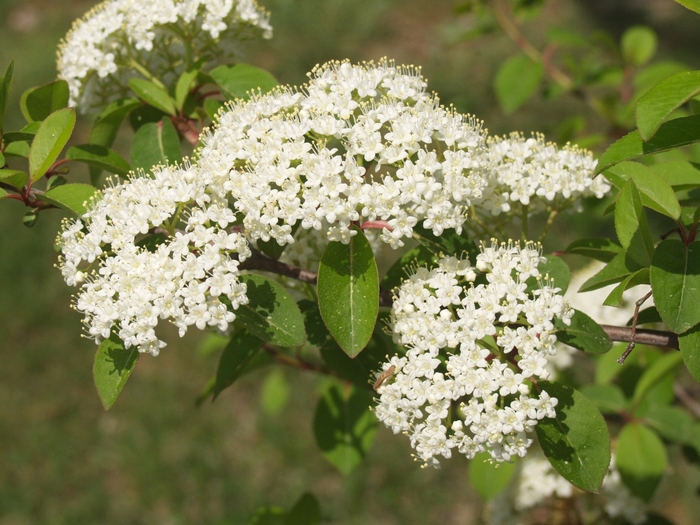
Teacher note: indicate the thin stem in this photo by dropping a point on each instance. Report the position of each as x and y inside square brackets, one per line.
[630, 347]
[147, 74]
[525, 226]
[550, 220]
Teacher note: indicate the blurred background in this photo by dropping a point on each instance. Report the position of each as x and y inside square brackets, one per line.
[155, 458]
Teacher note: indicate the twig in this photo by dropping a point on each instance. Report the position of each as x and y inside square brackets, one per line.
[630, 347]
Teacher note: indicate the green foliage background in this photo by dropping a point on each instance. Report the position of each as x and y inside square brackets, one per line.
[156, 458]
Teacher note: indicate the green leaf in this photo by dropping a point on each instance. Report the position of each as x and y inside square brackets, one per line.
[212, 107]
[29, 219]
[153, 95]
[39, 102]
[274, 394]
[655, 192]
[113, 366]
[27, 133]
[449, 242]
[154, 144]
[673, 423]
[693, 5]
[344, 426]
[15, 178]
[405, 265]
[5, 84]
[690, 350]
[488, 477]
[556, 269]
[583, 334]
[51, 137]
[271, 313]
[600, 249]
[238, 353]
[646, 316]
[615, 271]
[675, 282]
[609, 399]
[238, 80]
[576, 441]
[349, 369]
[679, 174]
[17, 149]
[657, 104]
[516, 81]
[641, 459]
[663, 366]
[100, 157]
[631, 225]
[670, 135]
[638, 45]
[306, 511]
[348, 292]
[107, 125]
[71, 197]
[615, 297]
[183, 86]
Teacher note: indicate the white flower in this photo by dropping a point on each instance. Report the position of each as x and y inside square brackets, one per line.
[103, 50]
[461, 355]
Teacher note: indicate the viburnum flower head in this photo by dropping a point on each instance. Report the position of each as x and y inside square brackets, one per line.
[475, 336]
[121, 39]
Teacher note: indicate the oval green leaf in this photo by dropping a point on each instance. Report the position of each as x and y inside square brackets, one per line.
[576, 441]
[638, 45]
[675, 282]
[238, 353]
[615, 297]
[640, 457]
[657, 371]
[348, 292]
[608, 398]
[100, 157]
[657, 104]
[600, 249]
[655, 192]
[155, 143]
[583, 334]
[344, 426]
[271, 313]
[71, 197]
[238, 80]
[153, 95]
[113, 366]
[50, 138]
[690, 350]
[631, 225]
[516, 81]
[671, 422]
[38, 103]
[489, 478]
[107, 125]
[15, 178]
[615, 271]
[306, 511]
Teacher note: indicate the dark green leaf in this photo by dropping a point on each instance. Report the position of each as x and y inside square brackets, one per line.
[100, 157]
[51, 137]
[15, 178]
[615, 271]
[183, 86]
[657, 104]
[153, 95]
[271, 313]
[675, 281]
[447, 243]
[71, 197]
[631, 225]
[656, 193]
[488, 477]
[155, 143]
[583, 334]
[107, 125]
[27, 133]
[316, 332]
[690, 350]
[516, 81]
[599, 249]
[556, 269]
[344, 426]
[113, 366]
[151, 242]
[673, 423]
[608, 398]
[638, 45]
[576, 441]
[641, 459]
[144, 114]
[670, 135]
[238, 80]
[663, 366]
[39, 102]
[236, 356]
[306, 511]
[407, 263]
[646, 316]
[348, 292]
[352, 370]
[29, 219]
[212, 107]
[5, 84]
[614, 298]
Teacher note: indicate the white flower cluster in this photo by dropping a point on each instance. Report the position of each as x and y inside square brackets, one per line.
[537, 482]
[182, 279]
[475, 336]
[107, 47]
